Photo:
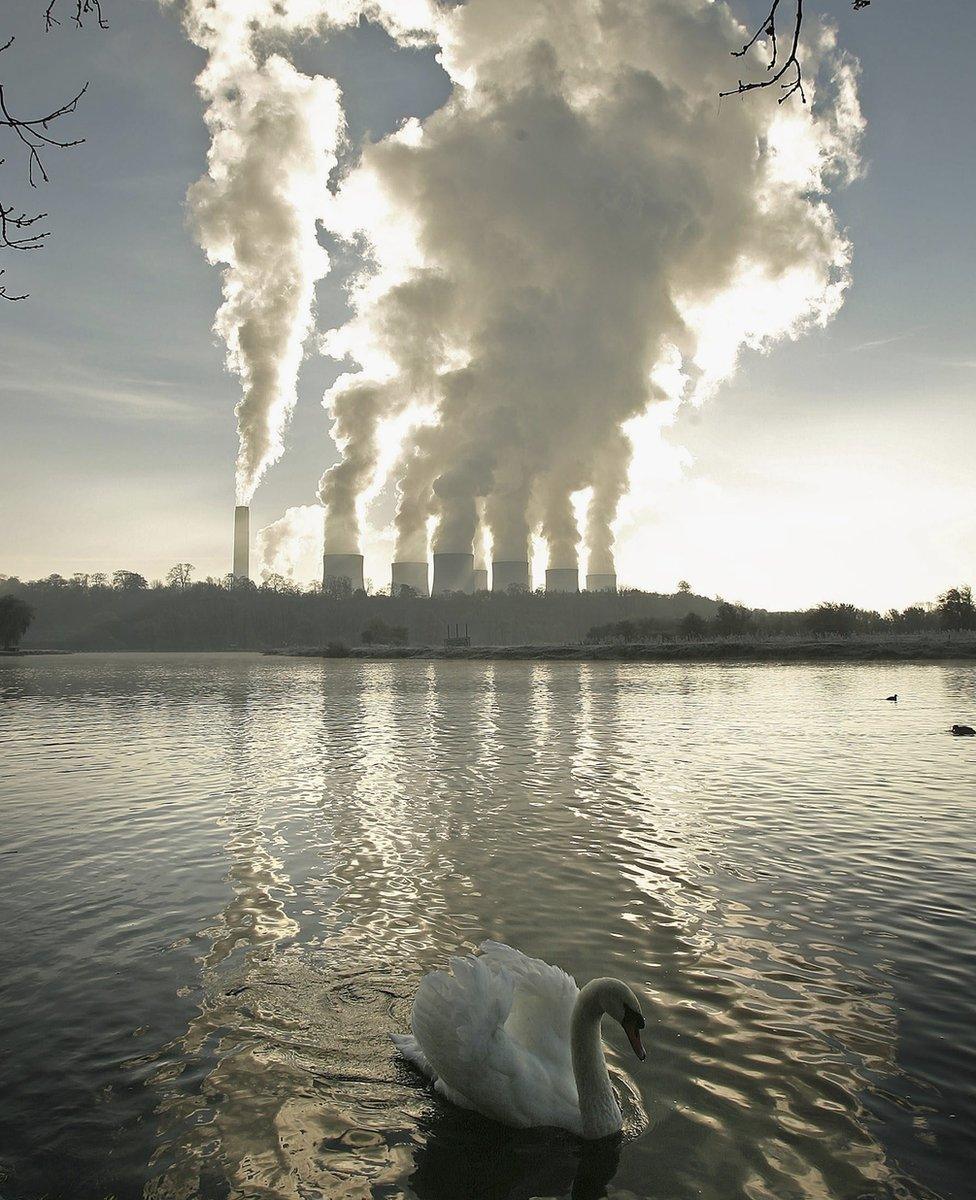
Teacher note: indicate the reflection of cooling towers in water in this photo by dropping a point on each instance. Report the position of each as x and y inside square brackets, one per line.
[453, 573]
[219, 1040]
[411, 575]
[343, 570]
[562, 579]
[284, 1085]
[242, 521]
[509, 574]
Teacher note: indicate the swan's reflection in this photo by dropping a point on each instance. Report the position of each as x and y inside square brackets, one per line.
[465, 1157]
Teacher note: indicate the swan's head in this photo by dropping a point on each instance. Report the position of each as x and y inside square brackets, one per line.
[620, 1003]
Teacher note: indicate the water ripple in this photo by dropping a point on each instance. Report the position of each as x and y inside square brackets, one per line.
[223, 876]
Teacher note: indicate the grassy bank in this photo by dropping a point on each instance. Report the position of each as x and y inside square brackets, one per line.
[27, 653]
[920, 647]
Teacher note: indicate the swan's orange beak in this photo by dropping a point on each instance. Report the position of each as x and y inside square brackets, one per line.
[633, 1023]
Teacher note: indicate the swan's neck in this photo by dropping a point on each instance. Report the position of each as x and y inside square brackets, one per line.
[599, 1111]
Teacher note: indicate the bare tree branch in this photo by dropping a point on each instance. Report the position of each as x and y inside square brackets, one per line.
[788, 73]
[82, 8]
[5, 295]
[11, 222]
[34, 136]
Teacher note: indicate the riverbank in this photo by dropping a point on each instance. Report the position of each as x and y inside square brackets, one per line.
[25, 653]
[917, 648]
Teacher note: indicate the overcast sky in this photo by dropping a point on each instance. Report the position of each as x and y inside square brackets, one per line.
[836, 467]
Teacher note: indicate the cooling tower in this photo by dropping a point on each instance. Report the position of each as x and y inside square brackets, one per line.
[601, 583]
[412, 575]
[509, 574]
[562, 579]
[481, 579]
[242, 525]
[343, 566]
[453, 573]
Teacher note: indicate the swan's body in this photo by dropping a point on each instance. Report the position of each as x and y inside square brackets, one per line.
[515, 1039]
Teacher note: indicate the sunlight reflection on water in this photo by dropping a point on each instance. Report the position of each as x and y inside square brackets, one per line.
[224, 876]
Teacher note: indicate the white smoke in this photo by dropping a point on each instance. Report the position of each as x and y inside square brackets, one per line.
[275, 134]
[292, 545]
[581, 212]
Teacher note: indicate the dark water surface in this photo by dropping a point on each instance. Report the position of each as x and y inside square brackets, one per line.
[221, 878]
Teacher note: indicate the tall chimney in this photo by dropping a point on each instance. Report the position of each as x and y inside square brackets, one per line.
[412, 575]
[242, 522]
[507, 574]
[601, 583]
[481, 579]
[562, 579]
[336, 567]
[453, 573]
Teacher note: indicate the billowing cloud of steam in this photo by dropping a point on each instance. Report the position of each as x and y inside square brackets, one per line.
[275, 133]
[292, 545]
[581, 211]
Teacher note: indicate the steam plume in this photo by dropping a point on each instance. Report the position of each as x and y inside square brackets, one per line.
[292, 545]
[581, 211]
[274, 137]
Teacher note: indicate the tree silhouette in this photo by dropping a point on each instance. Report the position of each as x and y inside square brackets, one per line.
[179, 575]
[832, 618]
[129, 581]
[15, 618]
[956, 609]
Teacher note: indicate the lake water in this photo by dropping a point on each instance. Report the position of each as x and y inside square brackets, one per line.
[221, 878]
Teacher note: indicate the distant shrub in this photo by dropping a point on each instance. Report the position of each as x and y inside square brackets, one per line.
[732, 620]
[692, 626]
[842, 620]
[624, 631]
[379, 633]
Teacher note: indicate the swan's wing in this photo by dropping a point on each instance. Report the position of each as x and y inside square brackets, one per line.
[409, 1047]
[460, 1022]
[542, 1010]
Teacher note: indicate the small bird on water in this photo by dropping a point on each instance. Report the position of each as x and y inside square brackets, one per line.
[894, 697]
[963, 731]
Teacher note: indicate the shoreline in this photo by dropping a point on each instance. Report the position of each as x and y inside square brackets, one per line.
[25, 653]
[921, 649]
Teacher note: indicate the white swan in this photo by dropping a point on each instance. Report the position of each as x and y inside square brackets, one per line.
[515, 1039]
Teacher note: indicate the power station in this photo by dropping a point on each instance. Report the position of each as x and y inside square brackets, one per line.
[453, 573]
[508, 574]
[562, 579]
[411, 575]
[338, 570]
[343, 573]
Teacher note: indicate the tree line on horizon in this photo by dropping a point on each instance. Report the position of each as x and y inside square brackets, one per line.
[954, 611]
[122, 610]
